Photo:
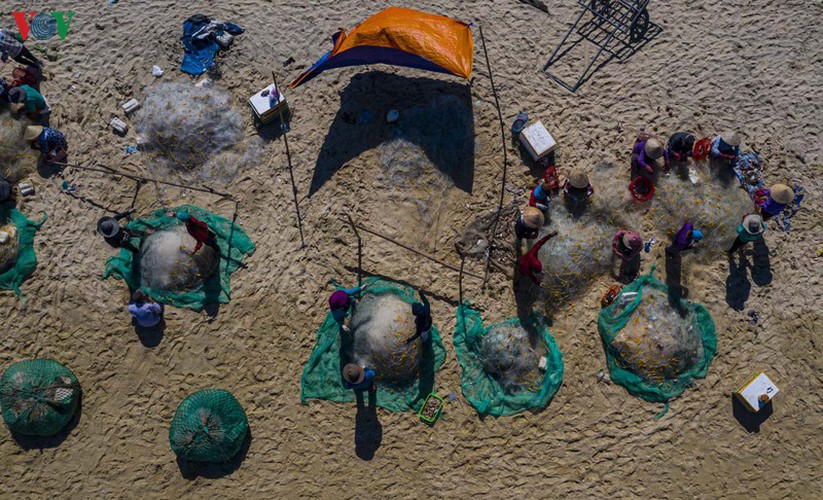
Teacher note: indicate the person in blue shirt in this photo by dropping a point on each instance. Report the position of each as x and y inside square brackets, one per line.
[51, 142]
[358, 378]
[726, 146]
[422, 319]
[145, 311]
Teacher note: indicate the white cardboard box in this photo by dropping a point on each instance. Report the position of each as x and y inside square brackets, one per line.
[262, 106]
[537, 140]
[759, 385]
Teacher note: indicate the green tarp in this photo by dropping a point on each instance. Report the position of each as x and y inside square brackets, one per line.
[233, 242]
[12, 277]
[322, 377]
[482, 390]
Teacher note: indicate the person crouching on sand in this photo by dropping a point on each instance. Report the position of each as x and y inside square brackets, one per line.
[145, 311]
[679, 148]
[341, 301]
[34, 104]
[539, 198]
[199, 231]
[51, 142]
[529, 224]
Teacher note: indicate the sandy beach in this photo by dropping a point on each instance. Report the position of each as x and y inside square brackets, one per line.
[754, 66]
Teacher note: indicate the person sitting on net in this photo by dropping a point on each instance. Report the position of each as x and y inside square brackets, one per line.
[145, 311]
[540, 197]
[341, 301]
[359, 378]
[529, 265]
[685, 239]
[680, 147]
[422, 319]
[726, 146]
[774, 200]
[199, 231]
[577, 187]
[627, 244]
[529, 223]
[51, 142]
[647, 154]
[116, 235]
[34, 104]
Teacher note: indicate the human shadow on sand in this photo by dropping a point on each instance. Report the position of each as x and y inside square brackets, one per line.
[435, 115]
[45, 442]
[738, 286]
[761, 264]
[192, 470]
[368, 431]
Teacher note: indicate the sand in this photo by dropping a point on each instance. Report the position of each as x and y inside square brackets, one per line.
[756, 65]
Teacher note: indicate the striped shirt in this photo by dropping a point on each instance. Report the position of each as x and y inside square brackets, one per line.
[9, 45]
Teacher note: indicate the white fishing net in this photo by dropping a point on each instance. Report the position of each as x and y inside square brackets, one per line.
[512, 356]
[17, 159]
[166, 263]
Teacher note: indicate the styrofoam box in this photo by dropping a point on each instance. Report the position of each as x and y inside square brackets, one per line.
[749, 394]
[537, 140]
[261, 104]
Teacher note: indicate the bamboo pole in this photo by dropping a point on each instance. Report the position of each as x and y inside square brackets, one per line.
[291, 171]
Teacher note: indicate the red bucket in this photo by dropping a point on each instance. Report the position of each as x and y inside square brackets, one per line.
[702, 149]
[641, 188]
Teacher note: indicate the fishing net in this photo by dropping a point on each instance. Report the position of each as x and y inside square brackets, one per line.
[17, 159]
[166, 271]
[39, 397]
[193, 132]
[17, 257]
[501, 363]
[405, 373]
[656, 343]
[208, 426]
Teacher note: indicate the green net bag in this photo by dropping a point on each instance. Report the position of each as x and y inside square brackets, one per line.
[17, 257]
[39, 397]
[212, 288]
[208, 426]
[656, 344]
[501, 375]
[322, 377]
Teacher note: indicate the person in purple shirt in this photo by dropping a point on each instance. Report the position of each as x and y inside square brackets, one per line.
[647, 155]
[773, 201]
[145, 311]
[684, 240]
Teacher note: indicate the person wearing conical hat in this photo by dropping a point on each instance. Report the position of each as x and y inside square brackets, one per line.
[627, 244]
[774, 200]
[358, 378]
[540, 197]
[726, 146]
[750, 229]
[647, 155]
[577, 186]
[51, 142]
[529, 224]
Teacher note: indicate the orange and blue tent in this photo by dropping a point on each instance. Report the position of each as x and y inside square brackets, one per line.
[401, 37]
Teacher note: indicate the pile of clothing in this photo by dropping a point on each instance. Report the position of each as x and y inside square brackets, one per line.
[202, 38]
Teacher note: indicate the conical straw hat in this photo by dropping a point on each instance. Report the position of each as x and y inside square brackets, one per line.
[782, 194]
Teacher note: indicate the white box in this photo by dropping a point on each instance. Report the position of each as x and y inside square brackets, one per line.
[756, 387]
[263, 108]
[537, 140]
[130, 106]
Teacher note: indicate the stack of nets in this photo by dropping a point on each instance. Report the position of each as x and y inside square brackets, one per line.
[168, 273]
[656, 343]
[17, 257]
[208, 426]
[39, 397]
[501, 374]
[17, 159]
[380, 325]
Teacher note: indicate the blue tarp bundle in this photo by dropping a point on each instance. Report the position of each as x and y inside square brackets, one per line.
[199, 33]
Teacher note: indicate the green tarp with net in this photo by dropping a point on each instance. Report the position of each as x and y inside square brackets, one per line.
[230, 238]
[322, 374]
[497, 390]
[208, 426]
[656, 343]
[17, 257]
[39, 397]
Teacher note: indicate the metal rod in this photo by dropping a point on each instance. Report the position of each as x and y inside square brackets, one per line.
[291, 171]
[505, 155]
[391, 240]
[359, 251]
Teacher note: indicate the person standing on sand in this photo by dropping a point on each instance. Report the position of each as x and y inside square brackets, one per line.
[146, 312]
[422, 319]
[199, 231]
[529, 265]
[341, 301]
[10, 46]
[529, 224]
[359, 378]
[751, 229]
[684, 240]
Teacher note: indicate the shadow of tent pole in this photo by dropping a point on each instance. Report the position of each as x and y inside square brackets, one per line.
[291, 175]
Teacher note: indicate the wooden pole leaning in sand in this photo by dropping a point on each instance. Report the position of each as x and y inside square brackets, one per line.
[505, 156]
[356, 226]
[291, 172]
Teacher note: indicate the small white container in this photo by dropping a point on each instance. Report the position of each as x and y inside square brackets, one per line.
[543, 364]
[119, 126]
[28, 191]
[131, 106]
[627, 297]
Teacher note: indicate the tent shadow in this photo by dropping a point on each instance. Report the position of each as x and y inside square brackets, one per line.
[749, 420]
[46, 442]
[192, 470]
[435, 115]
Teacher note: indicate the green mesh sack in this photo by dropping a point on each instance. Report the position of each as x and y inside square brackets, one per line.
[17, 257]
[657, 343]
[208, 426]
[322, 373]
[486, 389]
[39, 397]
[232, 241]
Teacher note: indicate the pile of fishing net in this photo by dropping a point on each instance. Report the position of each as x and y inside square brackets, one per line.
[193, 131]
[501, 363]
[39, 397]
[17, 159]
[17, 257]
[656, 343]
[380, 324]
[167, 271]
[208, 426]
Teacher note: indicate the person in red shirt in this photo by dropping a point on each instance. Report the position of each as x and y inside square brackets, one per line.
[529, 265]
[199, 231]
